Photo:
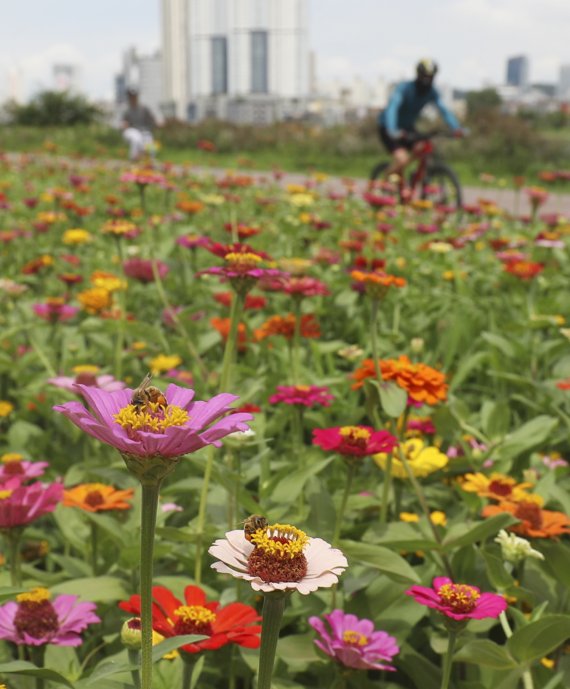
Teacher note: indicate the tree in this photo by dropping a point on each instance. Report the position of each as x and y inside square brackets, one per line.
[485, 99]
[54, 108]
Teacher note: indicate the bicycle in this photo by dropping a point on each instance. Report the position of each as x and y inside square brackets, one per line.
[432, 179]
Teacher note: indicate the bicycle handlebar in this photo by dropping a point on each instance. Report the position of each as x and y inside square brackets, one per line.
[433, 133]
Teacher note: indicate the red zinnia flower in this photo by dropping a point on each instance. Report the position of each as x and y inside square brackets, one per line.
[354, 440]
[285, 326]
[232, 624]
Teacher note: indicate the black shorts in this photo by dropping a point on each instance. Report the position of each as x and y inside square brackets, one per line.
[391, 143]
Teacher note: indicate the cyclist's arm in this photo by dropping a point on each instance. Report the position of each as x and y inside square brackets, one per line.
[449, 118]
[391, 112]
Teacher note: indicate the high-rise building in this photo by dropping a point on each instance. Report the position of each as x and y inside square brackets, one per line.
[242, 59]
[563, 90]
[518, 71]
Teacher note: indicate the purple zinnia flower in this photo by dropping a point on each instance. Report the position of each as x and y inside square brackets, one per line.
[55, 310]
[173, 429]
[142, 270]
[20, 505]
[302, 395]
[14, 466]
[34, 620]
[353, 642]
[88, 376]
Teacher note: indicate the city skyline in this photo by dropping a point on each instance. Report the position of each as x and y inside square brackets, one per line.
[471, 39]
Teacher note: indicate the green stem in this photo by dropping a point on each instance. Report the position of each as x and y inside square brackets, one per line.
[374, 304]
[526, 675]
[120, 341]
[14, 537]
[134, 659]
[448, 661]
[94, 547]
[202, 513]
[177, 322]
[37, 653]
[386, 489]
[340, 514]
[273, 606]
[296, 349]
[188, 665]
[229, 351]
[423, 504]
[150, 492]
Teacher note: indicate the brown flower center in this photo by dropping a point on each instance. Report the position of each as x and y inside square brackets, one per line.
[529, 512]
[355, 436]
[94, 498]
[278, 554]
[193, 619]
[35, 616]
[459, 597]
[13, 469]
[502, 488]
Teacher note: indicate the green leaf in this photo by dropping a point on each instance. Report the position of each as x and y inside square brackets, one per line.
[465, 368]
[419, 669]
[197, 671]
[498, 575]
[173, 643]
[97, 589]
[8, 593]
[289, 488]
[539, 638]
[556, 561]
[462, 535]
[495, 418]
[401, 536]
[486, 653]
[297, 649]
[393, 399]
[21, 667]
[384, 560]
[529, 435]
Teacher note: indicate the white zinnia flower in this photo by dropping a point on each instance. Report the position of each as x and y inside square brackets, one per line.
[514, 548]
[285, 558]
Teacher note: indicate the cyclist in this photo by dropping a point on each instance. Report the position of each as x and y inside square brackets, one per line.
[396, 124]
[138, 126]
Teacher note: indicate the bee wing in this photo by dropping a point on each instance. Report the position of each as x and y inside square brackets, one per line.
[144, 383]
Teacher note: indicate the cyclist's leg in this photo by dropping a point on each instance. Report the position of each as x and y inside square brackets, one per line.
[134, 138]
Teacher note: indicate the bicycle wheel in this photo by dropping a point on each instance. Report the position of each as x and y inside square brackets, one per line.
[379, 170]
[442, 186]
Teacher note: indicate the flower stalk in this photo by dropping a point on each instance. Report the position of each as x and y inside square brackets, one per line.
[273, 607]
[448, 660]
[14, 537]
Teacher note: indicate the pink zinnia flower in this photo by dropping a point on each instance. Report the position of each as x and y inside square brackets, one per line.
[104, 382]
[303, 287]
[377, 201]
[34, 620]
[458, 601]
[357, 441]
[20, 505]
[177, 428]
[13, 466]
[353, 642]
[192, 241]
[141, 269]
[55, 310]
[302, 395]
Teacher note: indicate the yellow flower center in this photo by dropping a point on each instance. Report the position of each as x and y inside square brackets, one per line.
[85, 368]
[5, 494]
[354, 433]
[36, 595]
[152, 418]
[461, 598]
[11, 457]
[195, 613]
[354, 638]
[280, 540]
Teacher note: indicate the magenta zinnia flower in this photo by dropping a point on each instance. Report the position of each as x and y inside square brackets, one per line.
[88, 377]
[354, 440]
[141, 269]
[14, 466]
[54, 310]
[34, 620]
[353, 642]
[20, 505]
[458, 601]
[302, 395]
[177, 428]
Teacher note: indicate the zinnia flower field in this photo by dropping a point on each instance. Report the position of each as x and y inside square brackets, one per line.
[267, 435]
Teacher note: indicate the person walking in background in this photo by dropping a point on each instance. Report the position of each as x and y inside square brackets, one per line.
[138, 126]
[396, 123]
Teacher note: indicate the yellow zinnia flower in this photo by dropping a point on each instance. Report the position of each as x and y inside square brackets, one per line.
[6, 408]
[95, 300]
[422, 460]
[76, 236]
[164, 362]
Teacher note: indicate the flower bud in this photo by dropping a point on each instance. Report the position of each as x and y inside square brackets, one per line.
[514, 549]
[131, 633]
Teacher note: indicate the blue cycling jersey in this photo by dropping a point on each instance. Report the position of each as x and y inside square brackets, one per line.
[405, 105]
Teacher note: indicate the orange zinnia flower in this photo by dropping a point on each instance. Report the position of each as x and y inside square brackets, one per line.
[97, 497]
[499, 487]
[534, 521]
[223, 325]
[424, 384]
[377, 284]
[285, 326]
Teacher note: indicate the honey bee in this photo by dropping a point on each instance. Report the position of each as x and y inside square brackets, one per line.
[253, 524]
[147, 393]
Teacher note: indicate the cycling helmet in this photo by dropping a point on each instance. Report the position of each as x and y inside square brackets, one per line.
[426, 68]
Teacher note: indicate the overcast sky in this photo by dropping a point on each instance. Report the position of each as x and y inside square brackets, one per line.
[470, 39]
